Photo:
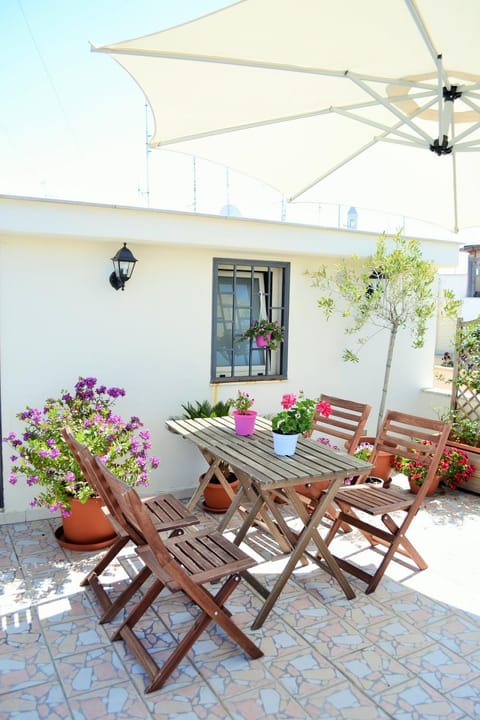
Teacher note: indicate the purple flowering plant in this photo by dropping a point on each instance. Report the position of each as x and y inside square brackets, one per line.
[42, 456]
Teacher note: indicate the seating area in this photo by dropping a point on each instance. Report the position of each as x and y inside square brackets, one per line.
[408, 650]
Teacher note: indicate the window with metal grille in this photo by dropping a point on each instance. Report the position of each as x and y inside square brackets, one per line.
[245, 291]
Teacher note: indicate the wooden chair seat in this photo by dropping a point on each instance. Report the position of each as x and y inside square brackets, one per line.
[374, 500]
[168, 515]
[181, 564]
[414, 438]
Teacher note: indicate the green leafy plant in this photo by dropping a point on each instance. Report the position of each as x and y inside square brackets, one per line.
[41, 454]
[205, 409]
[453, 469]
[243, 402]
[465, 430]
[467, 349]
[273, 332]
[391, 290]
[297, 414]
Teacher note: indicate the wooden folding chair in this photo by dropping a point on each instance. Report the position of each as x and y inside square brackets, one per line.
[168, 514]
[412, 437]
[181, 564]
[347, 422]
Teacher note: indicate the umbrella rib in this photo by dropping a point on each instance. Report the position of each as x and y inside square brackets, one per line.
[418, 20]
[404, 118]
[258, 65]
[394, 129]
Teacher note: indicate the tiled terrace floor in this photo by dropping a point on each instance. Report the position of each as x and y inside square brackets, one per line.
[410, 650]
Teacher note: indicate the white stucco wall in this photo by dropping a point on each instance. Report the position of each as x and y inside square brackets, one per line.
[60, 318]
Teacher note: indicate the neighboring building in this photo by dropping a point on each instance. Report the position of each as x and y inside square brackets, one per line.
[170, 337]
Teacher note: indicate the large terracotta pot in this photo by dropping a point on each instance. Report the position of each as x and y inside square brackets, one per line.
[215, 496]
[87, 527]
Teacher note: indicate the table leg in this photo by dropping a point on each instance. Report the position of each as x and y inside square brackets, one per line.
[306, 535]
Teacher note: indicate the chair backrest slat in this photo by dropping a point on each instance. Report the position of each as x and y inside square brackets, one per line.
[347, 421]
[414, 438]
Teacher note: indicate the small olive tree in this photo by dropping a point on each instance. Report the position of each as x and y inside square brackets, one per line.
[392, 289]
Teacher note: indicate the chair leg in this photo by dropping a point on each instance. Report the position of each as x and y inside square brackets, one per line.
[120, 602]
[113, 551]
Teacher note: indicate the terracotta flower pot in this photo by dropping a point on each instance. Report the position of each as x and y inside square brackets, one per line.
[383, 462]
[216, 498]
[87, 528]
[432, 489]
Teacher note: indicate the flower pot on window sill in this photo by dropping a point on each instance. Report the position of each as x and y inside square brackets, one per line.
[262, 341]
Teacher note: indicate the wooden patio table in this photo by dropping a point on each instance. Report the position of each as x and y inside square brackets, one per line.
[264, 475]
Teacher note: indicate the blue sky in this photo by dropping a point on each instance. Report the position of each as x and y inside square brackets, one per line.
[73, 123]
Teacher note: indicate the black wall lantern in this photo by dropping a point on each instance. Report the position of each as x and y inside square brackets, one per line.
[123, 266]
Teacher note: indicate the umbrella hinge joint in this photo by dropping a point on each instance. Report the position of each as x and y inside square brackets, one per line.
[452, 93]
[441, 148]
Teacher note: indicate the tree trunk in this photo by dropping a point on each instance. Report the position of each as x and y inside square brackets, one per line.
[386, 378]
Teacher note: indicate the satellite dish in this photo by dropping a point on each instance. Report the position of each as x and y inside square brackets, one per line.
[230, 211]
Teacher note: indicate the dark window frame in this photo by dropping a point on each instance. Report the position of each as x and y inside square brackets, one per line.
[256, 278]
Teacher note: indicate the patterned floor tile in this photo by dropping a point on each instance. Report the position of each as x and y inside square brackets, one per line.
[418, 701]
[38, 702]
[304, 673]
[195, 701]
[265, 701]
[443, 669]
[276, 639]
[19, 630]
[334, 637]
[342, 702]
[373, 670]
[234, 675]
[117, 702]
[397, 637]
[88, 671]
[467, 697]
[65, 608]
[301, 610]
[457, 632]
[14, 593]
[361, 612]
[24, 667]
[419, 609]
[74, 636]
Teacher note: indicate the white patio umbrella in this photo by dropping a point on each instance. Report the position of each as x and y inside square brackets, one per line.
[373, 103]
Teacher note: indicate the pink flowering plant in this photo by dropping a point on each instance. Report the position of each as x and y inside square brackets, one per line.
[41, 455]
[297, 414]
[243, 402]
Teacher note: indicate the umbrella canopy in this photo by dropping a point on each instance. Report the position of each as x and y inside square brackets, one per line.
[373, 103]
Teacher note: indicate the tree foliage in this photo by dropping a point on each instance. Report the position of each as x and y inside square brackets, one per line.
[390, 290]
